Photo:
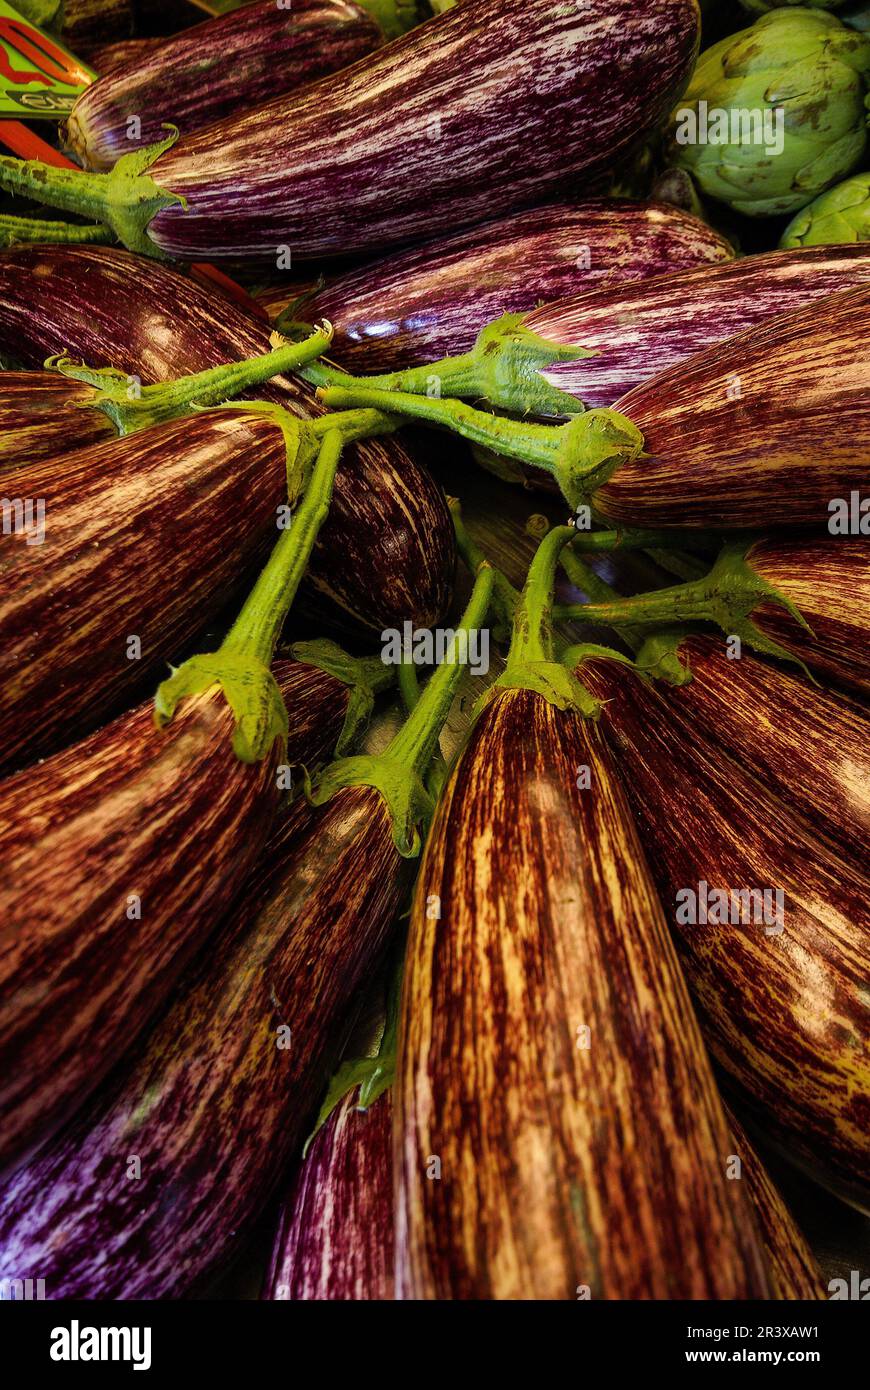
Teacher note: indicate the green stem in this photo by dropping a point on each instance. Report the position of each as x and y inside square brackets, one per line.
[124, 200]
[504, 367]
[505, 597]
[16, 230]
[398, 773]
[241, 664]
[364, 675]
[639, 538]
[581, 455]
[168, 399]
[303, 437]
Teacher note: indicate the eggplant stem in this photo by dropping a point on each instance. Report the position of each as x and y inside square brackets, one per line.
[505, 597]
[166, 400]
[504, 368]
[15, 231]
[581, 455]
[364, 675]
[241, 664]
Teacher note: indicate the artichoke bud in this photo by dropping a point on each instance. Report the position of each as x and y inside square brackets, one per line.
[841, 214]
[776, 114]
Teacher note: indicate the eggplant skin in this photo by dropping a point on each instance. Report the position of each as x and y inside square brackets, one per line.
[830, 583]
[386, 552]
[212, 1106]
[793, 1266]
[639, 330]
[809, 746]
[143, 536]
[433, 300]
[335, 1237]
[40, 417]
[560, 1165]
[475, 113]
[761, 430]
[783, 1013]
[235, 61]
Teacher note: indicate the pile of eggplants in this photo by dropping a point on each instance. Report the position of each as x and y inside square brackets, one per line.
[203, 888]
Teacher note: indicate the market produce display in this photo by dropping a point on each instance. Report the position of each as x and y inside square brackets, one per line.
[435, 654]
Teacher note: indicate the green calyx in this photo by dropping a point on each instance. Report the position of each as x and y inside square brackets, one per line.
[776, 113]
[395, 17]
[581, 455]
[124, 200]
[364, 677]
[504, 368]
[532, 663]
[131, 406]
[303, 438]
[15, 231]
[398, 773]
[727, 596]
[241, 665]
[840, 215]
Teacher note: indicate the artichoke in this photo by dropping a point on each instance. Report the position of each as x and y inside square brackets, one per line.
[841, 214]
[776, 114]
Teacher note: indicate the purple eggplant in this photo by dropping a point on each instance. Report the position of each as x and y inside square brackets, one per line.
[226, 1083]
[477, 112]
[39, 417]
[639, 331]
[103, 57]
[386, 552]
[224, 65]
[433, 300]
[770, 918]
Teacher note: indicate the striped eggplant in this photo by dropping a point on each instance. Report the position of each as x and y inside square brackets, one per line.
[139, 825]
[335, 1235]
[539, 363]
[829, 582]
[103, 57]
[214, 69]
[476, 113]
[141, 539]
[386, 552]
[433, 300]
[781, 983]
[39, 417]
[793, 1267]
[558, 1130]
[639, 331]
[763, 429]
[218, 1099]
[809, 746]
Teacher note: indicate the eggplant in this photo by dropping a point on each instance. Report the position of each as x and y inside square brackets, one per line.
[777, 415]
[214, 69]
[640, 330]
[335, 1236]
[131, 843]
[782, 1000]
[793, 1267]
[39, 417]
[476, 113]
[829, 582]
[432, 301]
[103, 57]
[386, 553]
[547, 1044]
[762, 430]
[808, 746]
[218, 1098]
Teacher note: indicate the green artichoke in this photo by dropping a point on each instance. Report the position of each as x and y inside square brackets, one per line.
[841, 214]
[776, 114]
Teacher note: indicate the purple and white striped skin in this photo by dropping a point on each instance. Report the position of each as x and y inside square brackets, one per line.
[479, 111]
[640, 330]
[212, 1106]
[335, 1237]
[236, 61]
[432, 301]
[386, 551]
